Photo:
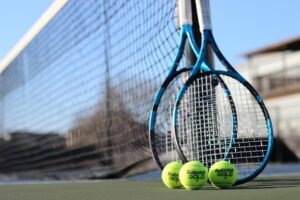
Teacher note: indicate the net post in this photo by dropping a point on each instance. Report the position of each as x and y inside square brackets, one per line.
[211, 63]
[189, 55]
[191, 60]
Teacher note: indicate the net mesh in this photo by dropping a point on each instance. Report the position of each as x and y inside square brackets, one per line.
[163, 134]
[78, 95]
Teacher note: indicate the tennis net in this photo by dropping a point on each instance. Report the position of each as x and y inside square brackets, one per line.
[77, 96]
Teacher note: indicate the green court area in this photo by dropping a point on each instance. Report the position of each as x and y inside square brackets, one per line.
[262, 188]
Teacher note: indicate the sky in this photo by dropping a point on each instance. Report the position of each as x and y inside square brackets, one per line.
[239, 26]
[16, 18]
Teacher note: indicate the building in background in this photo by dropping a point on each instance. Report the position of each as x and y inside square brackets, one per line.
[275, 72]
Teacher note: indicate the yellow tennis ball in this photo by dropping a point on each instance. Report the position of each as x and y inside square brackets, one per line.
[222, 174]
[170, 175]
[193, 175]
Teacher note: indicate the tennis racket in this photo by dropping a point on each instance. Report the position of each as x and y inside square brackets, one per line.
[160, 134]
[203, 120]
[160, 137]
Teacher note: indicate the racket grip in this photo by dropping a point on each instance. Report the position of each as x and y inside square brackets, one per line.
[185, 12]
[203, 11]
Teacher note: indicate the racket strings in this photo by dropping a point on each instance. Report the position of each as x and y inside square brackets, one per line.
[250, 147]
[204, 124]
[204, 121]
[163, 135]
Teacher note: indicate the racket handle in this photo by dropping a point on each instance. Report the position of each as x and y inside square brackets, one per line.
[185, 12]
[203, 11]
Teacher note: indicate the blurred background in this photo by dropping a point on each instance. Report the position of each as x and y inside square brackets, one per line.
[77, 85]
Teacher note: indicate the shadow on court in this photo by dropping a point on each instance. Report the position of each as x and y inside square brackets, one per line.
[273, 182]
[266, 183]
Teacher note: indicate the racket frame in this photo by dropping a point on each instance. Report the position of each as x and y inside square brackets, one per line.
[186, 33]
[204, 16]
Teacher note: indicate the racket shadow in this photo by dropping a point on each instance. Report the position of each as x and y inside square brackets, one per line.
[265, 183]
[274, 182]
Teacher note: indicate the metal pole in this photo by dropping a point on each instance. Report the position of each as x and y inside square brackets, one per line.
[197, 33]
[191, 59]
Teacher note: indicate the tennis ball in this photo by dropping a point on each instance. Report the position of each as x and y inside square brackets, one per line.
[170, 175]
[222, 174]
[193, 175]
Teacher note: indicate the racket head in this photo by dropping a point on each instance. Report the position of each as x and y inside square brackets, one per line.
[160, 128]
[160, 136]
[254, 142]
[210, 114]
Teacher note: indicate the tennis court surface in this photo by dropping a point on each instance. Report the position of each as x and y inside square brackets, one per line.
[278, 187]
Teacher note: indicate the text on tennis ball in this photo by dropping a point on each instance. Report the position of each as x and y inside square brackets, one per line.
[224, 172]
[196, 174]
[173, 177]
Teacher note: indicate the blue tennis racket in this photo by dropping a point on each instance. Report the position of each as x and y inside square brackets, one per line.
[201, 114]
[160, 129]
